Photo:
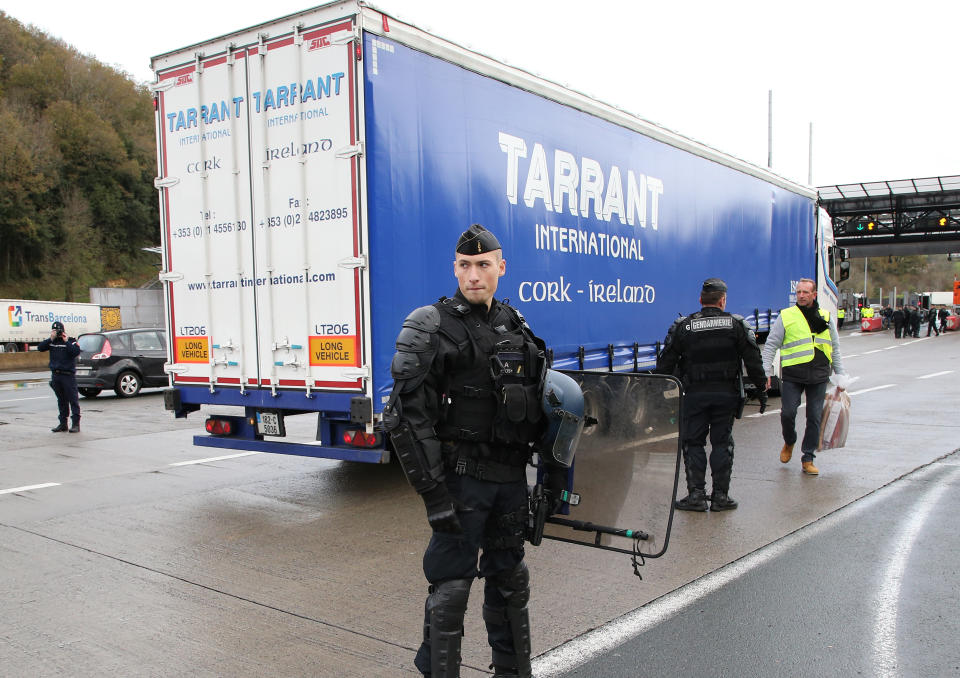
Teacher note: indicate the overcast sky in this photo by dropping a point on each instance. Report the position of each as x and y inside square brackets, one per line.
[876, 78]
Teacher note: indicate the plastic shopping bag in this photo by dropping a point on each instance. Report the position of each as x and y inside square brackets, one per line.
[835, 421]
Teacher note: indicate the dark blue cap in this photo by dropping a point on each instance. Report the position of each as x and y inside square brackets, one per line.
[477, 240]
[713, 285]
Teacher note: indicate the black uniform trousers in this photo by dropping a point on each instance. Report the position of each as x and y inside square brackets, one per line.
[492, 516]
[65, 386]
[932, 325]
[713, 413]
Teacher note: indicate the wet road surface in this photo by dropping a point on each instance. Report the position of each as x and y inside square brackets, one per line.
[132, 557]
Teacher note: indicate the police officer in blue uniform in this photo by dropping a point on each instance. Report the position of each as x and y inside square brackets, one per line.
[706, 351]
[465, 408]
[63, 357]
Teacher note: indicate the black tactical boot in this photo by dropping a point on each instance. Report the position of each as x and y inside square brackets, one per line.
[695, 501]
[59, 429]
[721, 501]
[75, 428]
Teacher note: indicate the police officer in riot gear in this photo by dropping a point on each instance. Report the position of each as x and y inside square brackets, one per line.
[63, 358]
[465, 408]
[706, 351]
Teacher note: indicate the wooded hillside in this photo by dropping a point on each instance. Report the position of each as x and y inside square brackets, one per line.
[77, 162]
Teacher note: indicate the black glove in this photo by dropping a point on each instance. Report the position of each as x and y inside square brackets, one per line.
[763, 401]
[441, 513]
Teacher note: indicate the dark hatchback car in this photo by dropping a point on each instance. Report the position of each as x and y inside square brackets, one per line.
[124, 360]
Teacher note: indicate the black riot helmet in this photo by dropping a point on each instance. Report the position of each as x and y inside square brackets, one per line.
[563, 406]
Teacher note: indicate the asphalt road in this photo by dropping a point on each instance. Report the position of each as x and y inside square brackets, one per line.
[869, 590]
[128, 551]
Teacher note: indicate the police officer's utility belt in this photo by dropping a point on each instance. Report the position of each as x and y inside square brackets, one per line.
[485, 469]
[63, 372]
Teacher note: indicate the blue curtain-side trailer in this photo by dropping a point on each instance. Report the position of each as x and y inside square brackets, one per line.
[315, 171]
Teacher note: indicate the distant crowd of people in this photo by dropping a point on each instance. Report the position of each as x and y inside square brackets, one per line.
[907, 320]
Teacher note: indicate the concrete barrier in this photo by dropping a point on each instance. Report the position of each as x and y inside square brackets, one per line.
[29, 360]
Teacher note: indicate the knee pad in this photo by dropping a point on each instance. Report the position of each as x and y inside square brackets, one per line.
[514, 585]
[447, 604]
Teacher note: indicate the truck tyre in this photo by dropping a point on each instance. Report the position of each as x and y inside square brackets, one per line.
[634, 406]
[89, 392]
[128, 384]
[597, 406]
[10, 347]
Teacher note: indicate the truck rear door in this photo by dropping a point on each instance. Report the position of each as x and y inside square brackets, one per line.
[260, 166]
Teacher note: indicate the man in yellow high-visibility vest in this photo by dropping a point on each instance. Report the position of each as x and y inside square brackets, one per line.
[841, 314]
[809, 348]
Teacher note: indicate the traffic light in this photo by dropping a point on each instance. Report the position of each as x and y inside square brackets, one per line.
[865, 225]
[942, 221]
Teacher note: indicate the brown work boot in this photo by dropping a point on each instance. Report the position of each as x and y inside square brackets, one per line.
[810, 469]
[785, 453]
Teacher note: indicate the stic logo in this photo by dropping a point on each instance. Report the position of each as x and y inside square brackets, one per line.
[186, 79]
[317, 43]
[14, 316]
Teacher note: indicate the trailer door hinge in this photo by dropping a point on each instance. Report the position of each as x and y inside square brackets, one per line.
[343, 37]
[165, 182]
[351, 151]
[170, 276]
[163, 85]
[353, 262]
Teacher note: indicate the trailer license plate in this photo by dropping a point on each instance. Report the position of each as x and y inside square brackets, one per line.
[83, 370]
[269, 424]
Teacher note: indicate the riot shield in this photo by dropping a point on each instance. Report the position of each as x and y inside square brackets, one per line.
[627, 464]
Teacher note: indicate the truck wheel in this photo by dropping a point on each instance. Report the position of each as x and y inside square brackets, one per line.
[128, 384]
[89, 392]
[10, 347]
[595, 406]
[634, 407]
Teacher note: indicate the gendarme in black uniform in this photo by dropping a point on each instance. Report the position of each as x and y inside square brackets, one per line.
[464, 410]
[63, 367]
[705, 351]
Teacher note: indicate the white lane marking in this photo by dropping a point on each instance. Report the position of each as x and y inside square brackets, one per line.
[606, 637]
[855, 355]
[25, 488]
[890, 348]
[804, 404]
[888, 593]
[873, 351]
[204, 461]
[936, 374]
[12, 400]
[867, 390]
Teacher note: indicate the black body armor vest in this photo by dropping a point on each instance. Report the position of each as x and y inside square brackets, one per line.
[492, 394]
[711, 355]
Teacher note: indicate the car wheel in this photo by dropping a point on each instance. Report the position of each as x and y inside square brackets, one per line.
[10, 347]
[128, 384]
[89, 392]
